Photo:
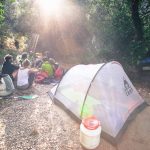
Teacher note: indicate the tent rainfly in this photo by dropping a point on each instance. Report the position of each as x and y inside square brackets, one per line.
[101, 90]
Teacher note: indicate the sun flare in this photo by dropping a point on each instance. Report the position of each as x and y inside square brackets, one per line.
[50, 7]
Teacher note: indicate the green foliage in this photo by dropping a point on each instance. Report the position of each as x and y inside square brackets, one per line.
[111, 23]
[28, 18]
[1, 13]
[4, 52]
[10, 28]
[19, 15]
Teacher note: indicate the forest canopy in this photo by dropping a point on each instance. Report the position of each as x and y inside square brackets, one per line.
[117, 28]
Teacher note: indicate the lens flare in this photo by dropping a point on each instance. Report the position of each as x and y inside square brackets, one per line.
[50, 7]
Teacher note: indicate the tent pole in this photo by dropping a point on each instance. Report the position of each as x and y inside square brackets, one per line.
[89, 89]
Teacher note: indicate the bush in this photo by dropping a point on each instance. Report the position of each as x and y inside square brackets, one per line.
[4, 52]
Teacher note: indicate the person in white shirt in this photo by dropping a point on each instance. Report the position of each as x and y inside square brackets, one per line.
[25, 76]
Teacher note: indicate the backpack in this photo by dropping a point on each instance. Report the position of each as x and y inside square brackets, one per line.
[41, 76]
[59, 73]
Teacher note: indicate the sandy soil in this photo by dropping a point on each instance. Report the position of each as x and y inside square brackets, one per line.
[39, 124]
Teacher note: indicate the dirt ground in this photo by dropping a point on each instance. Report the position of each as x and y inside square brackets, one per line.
[39, 124]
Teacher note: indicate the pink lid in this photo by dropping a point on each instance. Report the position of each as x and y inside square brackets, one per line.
[91, 123]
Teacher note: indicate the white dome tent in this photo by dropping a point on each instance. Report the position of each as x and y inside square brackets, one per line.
[101, 90]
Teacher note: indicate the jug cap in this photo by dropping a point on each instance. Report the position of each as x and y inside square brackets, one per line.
[91, 123]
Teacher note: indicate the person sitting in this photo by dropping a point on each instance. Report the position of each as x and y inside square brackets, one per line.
[6, 85]
[58, 71]
[23, 57]
[18, 59]
[52, 61]
[47, 67]
[8, 67]
[46, 73]
[25, 76]
[38, 60]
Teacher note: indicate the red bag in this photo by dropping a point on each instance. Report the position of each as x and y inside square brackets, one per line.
[59, 73]
[41, 76]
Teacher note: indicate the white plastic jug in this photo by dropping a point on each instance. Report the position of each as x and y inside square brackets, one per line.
[90, 131]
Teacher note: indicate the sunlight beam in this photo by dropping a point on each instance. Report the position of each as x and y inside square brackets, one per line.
[50, 7]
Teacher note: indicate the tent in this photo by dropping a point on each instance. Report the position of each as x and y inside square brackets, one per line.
[101, 90]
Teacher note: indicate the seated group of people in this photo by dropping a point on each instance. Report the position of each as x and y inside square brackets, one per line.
[21, 76]
[48, 70]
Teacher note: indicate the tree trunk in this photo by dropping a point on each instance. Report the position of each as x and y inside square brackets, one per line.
[136, 19]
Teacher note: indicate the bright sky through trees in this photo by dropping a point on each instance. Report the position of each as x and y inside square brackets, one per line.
[61, 24]
[51, 7]
[62, 13]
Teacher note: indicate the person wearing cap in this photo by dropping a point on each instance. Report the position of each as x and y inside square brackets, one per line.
[8, 67]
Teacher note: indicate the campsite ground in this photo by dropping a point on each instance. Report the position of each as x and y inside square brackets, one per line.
[38, 124]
